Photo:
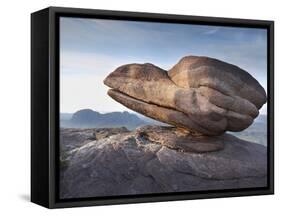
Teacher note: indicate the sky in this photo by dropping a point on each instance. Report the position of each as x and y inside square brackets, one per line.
[90, 49]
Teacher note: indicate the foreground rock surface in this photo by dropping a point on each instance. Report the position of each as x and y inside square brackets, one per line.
[129, 163]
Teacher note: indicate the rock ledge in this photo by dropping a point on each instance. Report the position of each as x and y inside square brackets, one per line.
[132, 163]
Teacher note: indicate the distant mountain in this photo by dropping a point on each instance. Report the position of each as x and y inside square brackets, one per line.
[150, 121]
[88, 118]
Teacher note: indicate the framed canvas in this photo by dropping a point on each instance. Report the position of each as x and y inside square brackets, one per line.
[139, 107]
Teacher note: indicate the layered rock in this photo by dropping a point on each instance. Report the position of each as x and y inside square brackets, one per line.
[179, 139]
[200, 94]
[141, 162]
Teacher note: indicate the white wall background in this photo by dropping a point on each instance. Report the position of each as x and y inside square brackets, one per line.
[15, 107]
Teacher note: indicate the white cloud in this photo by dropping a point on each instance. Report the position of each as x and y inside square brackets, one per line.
[81, 82]
[211, 31]
[86, 91]
[77, 63]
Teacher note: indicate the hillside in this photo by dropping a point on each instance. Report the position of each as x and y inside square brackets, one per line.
[88, 118]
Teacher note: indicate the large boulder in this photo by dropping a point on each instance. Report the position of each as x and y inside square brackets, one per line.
[140, 162]
[199, 93]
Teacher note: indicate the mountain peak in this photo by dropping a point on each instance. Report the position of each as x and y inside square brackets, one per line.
[88, 118]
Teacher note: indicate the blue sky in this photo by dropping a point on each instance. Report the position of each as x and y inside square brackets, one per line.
[92, 48]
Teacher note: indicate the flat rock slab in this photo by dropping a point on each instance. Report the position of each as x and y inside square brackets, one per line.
[181, 139]
[127, 163]
[72, 138]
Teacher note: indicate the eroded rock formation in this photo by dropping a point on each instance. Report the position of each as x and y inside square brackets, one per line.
[199, 94]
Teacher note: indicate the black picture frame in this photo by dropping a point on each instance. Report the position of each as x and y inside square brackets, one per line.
[45, 105]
